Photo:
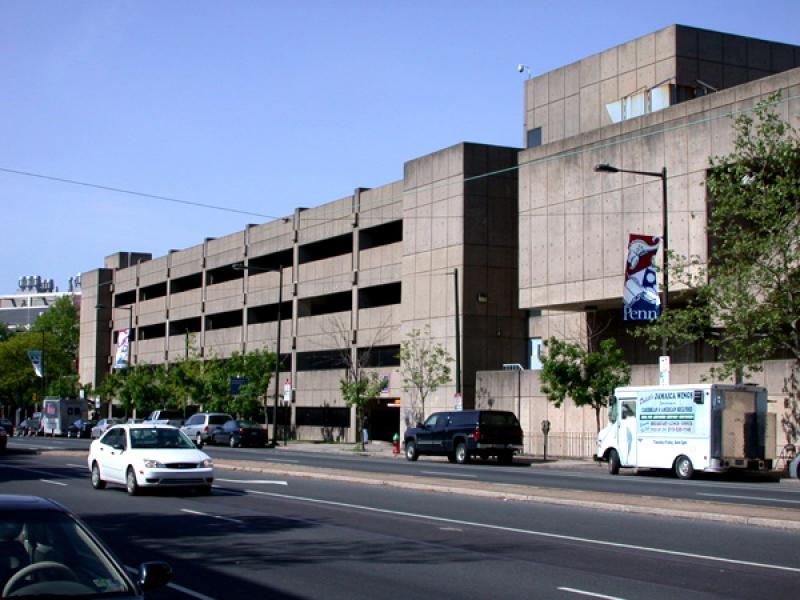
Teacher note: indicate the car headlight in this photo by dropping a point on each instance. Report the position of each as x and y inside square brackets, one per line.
[207, 463]
[153, 464]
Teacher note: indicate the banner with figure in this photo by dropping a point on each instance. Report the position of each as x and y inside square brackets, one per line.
[36, 361]
[123, 343]
[640, 298]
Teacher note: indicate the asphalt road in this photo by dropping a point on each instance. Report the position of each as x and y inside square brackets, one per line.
[765, 491]
[267, 537]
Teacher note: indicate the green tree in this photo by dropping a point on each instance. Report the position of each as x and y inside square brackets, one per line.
[18, 381]
[588, 377]
[425, 366]
[748, 293]
[358, 392]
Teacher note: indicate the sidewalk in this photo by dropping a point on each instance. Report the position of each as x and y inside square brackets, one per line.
[383, 449]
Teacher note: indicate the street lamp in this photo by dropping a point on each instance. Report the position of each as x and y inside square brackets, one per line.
[662, 174]
[240, 266]
[130, 332]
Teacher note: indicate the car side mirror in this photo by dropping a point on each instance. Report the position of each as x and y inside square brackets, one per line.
[420, 425]
[153, 575]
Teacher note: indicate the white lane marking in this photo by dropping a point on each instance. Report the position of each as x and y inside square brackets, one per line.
[53, 482]
[544, 534]
[264, 481]
[585, 593]
[451, 529]
[750, 498]
[202, 514]
[175, 586]
[446, 474]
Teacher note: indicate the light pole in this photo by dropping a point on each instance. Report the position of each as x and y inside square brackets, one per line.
[662, 174]
[458, 335]
[130, 332]
[130, 341]
[243, 267]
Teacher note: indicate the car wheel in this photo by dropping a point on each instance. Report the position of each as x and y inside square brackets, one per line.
[199, 440]
[613, 462]
[130, 482]
[462, 455]
[683, 467]
[97, 482]
[411, 451]
[232, 442]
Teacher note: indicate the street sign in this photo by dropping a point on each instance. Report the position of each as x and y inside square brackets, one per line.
[236, 383]
[458, 401]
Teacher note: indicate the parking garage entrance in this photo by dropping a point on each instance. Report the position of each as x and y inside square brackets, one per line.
[384, 418]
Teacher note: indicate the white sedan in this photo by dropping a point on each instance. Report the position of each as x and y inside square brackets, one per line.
[149, 455]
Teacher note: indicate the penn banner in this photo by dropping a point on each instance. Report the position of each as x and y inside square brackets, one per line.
[36, 361]
[123, 347]
[640, 298]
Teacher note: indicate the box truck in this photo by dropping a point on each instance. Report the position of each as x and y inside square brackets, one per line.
[59, 413]
[688, 428]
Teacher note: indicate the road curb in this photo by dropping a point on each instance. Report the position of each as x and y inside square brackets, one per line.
[702, 513]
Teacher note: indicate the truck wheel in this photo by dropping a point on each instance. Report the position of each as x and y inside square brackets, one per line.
[411, 451]
[683, 467]
[613, 462]
[462, 456]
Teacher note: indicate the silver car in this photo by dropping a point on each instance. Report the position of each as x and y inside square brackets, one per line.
[103, 424]
[199, 427]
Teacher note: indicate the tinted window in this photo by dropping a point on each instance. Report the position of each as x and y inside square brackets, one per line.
[218, 419]
[499, 418]
[230, 426]
[170, 414]
[464, 418]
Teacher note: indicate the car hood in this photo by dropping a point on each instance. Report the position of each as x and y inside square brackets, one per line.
[168, 455]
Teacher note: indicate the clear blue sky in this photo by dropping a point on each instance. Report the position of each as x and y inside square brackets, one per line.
[265, 106]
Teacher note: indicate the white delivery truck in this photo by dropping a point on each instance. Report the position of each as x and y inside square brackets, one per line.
[59, 413]
[688, 428]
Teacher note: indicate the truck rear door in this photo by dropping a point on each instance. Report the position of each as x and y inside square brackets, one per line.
[500, 428]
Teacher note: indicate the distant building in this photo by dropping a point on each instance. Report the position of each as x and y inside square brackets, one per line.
[537, 237]
[34, 296]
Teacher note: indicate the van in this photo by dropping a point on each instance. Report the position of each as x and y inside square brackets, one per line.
[688, 428]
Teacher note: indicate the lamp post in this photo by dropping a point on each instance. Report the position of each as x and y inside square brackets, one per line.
[130, 332]
[130, 341]
[458, 334]
[662, 174]
[243, 267]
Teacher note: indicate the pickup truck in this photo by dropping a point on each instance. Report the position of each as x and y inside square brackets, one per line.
[460, 435]
[166, 416]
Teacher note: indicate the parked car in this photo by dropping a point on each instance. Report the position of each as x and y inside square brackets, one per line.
[460, 435]
[199, 426]
[132, 421]
[166, 416]
[103, 425]
[82, 428]
[3, 439]
[30, 426]
[149, 455]
[240, 433]
[7, 425]
[48, 552]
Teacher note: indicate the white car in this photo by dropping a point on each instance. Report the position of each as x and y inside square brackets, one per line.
[149, 455]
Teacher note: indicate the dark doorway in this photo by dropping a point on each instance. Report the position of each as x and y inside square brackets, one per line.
[384, 421]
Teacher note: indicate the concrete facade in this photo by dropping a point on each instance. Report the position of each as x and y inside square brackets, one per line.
[359, 272]
[538, 240]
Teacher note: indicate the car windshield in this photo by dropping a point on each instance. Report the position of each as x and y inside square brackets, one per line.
[49, 554]
[159, 437]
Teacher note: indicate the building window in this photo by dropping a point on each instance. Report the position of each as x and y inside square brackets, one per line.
[534, 137]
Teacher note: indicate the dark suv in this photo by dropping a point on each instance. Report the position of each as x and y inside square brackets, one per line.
[460, 435]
